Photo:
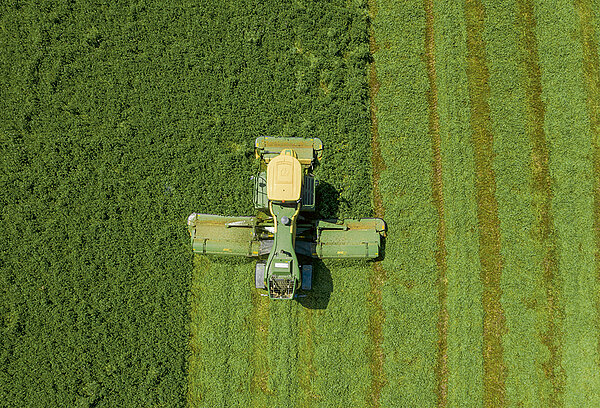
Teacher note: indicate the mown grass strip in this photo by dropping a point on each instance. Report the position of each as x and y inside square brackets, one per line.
[542, 200]
[567, 127]
[591, 71]
[340, 337]
[438, 199]
[410, 293]
[306, 367]
[260, 322]
[220, 369]
[465, 356]
[378, 277]
[487, 208]
[283, 353]
[523, 290]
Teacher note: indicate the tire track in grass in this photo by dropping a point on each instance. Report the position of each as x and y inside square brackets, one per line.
[306, 366]
[487, 209]
[378, 276]
[438, 199]
[283, 353]
[591, 70]
[542, 199]
[260, 321]
[567, 129]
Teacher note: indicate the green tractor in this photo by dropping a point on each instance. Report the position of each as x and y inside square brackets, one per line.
[282, 234]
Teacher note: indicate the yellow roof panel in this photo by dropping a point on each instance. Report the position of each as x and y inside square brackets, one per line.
[284, 177]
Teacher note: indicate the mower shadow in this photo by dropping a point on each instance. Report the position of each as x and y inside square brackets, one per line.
[322, 286]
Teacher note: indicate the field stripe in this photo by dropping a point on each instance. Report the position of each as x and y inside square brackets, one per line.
[259, 390]
[306, 367]
[282, 358]
[591, 70]
[487, 209]
[523, 290]
[438, 200]
[542, 200]
[378, 276]
[567, 126]
[410, 293]
[220, 361]
[340, 338]
[465, 356]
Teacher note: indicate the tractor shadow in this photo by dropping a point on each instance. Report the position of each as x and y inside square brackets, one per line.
[322, 287]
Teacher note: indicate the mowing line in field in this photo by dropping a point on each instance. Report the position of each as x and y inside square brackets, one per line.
[487, 209]
[523, 295]
[465, 309]
[260, 321]
[282, 353]
[410, 293]
[591, 70]
[567, 127]
[438, 200]
[542, 199]
[220, 361]
[378, 276]
[306, 358]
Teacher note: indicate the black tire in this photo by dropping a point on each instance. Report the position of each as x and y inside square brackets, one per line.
[259, 275]
[307, 272]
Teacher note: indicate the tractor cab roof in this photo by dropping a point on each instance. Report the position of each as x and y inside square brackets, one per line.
[284, 177]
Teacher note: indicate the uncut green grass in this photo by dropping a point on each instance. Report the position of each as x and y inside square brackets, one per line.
[410, 298]
[568, 131]
[465, 357]
[280, 70]
[523, 295]
[95, 185]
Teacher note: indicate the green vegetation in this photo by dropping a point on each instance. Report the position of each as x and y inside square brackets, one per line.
[283, 70]
[568, 129]
[523, 296]
[409, 295]
[465, 359]
[119, 120]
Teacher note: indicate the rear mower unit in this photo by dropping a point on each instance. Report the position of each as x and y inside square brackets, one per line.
[282, 234]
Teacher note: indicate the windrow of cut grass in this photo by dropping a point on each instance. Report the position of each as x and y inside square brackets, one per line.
[523, 290]
[221, 336]
[494, 369]
[464, 301]
[591, 70]
[567, 126]
[409, 294]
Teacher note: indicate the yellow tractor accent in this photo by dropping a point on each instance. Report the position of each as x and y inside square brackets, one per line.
[284, 177]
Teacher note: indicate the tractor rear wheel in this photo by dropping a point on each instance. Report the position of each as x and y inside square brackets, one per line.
[307, 271]
[259, 275]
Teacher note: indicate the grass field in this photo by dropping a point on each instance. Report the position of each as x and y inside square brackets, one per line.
[472, 128]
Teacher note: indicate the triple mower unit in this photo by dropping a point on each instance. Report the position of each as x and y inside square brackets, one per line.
[283, 231]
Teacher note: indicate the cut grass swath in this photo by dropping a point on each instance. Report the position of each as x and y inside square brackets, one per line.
[221, 339]
[409, 293]
[567, 126]
[591, 71]
[523, 294]
[465, 357]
